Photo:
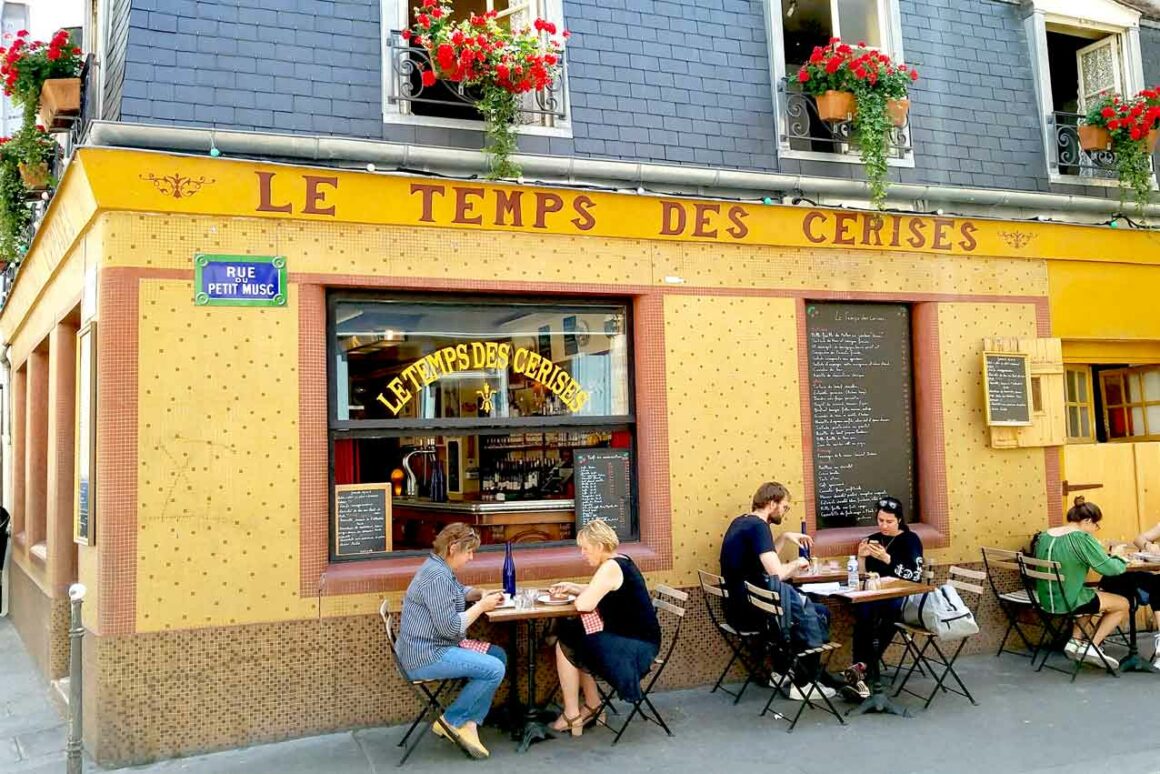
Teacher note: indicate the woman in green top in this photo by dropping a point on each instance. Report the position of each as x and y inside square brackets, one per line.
[1076, 549]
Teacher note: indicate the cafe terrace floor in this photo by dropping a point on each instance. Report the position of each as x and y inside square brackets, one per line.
[1026, 722]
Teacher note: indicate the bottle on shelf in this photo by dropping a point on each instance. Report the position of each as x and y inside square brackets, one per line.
[438, 483]
[509, 571]
[852, 573]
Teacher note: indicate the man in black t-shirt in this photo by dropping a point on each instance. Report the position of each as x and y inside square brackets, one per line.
[749, 552]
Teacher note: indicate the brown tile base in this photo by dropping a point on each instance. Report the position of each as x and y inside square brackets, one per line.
[180, 693]
[41, 622]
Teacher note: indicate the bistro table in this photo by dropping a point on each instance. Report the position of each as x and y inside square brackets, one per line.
[1133, 662]
[532, 728]
[892, 588]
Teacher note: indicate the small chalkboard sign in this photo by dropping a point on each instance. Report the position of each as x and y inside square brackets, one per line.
[1007, 388]
[362, 519]
[603, 479]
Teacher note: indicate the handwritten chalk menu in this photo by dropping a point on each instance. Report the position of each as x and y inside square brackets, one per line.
[861, 404]
[603, 479]
[362, 519]
[1007, 388]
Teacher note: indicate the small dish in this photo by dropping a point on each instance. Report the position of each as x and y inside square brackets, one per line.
[545, 599]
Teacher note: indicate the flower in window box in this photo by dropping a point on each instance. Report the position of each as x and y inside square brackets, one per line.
[500, 61]
[45, 75]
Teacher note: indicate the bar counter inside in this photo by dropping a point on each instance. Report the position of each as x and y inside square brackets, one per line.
[418, 519]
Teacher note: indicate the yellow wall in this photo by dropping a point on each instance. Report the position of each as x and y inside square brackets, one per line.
[1130, 477]
[1105, 301]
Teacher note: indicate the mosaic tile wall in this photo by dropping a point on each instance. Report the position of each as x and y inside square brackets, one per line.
[41, 622]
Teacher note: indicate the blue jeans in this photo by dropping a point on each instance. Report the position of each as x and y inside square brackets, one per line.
[484, 673]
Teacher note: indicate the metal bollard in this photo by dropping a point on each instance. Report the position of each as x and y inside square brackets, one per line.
[76, 632]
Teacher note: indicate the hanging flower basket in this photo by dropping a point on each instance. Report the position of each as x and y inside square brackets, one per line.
[1094, 138]
[60, 101]
[1131, 126]
[897, 110]
[836, 106]
[503, 62]
[35, 176]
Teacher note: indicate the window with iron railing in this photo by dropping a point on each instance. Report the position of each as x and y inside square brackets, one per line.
[407, 100]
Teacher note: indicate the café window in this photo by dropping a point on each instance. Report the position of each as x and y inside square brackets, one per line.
[1077, 398]
[512, 415]
[1131, 403]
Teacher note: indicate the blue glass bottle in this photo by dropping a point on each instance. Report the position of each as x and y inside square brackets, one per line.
[803, 550]
[509, 571]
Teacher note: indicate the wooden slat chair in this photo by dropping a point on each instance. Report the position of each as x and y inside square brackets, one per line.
[1014, 599]
[920, 641]
[779, 640]
[740, 644]
[1057, 626]
[426, 691]
[668, 602]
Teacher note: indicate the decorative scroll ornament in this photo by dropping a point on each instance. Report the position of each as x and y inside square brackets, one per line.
[1017, 239]
[176, 185]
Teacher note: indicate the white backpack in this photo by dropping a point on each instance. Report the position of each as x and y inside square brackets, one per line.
[941, 612]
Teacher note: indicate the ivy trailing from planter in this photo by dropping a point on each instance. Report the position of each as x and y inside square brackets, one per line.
[501, 61]
[880, 88]
[15, 214]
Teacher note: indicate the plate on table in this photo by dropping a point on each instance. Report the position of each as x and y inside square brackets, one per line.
[545, 599]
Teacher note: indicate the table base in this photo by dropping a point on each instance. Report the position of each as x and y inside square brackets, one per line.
[879, 701]
[1137, 663]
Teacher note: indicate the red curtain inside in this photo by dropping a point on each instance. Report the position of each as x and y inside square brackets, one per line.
[346, 466]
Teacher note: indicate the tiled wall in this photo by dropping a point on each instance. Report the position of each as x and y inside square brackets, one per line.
[41, 622]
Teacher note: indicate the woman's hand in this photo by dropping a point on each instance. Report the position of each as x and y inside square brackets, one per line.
[564, 587]
[864, 549]
[1152, 548]
[489, 601]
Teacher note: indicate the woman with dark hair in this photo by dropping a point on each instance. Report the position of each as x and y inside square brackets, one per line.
[1075, 547]
[433, 629]
[891, 551]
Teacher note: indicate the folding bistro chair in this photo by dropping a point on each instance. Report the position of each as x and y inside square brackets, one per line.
[1057, 626]
[426, 691]
[740, 644]
[1002, 568]
[661, 596]
[779, 639]
[920, 641]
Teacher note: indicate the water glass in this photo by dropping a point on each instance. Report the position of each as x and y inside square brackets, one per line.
[526, 599]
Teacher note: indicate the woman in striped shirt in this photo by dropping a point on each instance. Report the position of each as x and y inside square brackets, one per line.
[432, 631]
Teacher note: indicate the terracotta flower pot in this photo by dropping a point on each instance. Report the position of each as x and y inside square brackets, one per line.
[836, 105]
[60, 99]
[35, 176]
[1151, 139]
[1094, 138]
[897, 110]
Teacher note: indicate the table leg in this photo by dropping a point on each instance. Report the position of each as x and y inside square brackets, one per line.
[533, 729]
[1132, 662]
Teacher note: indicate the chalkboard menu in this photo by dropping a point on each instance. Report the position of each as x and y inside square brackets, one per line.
[1007, 388]
[362, 519]
[603, 482]
[861, 405]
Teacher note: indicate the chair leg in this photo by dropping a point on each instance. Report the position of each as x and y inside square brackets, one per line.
[918, 656]
[949, 664]
[422, 714]
[725, 672]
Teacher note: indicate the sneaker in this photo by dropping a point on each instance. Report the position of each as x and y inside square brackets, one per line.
[1072, 649]
[775, 679]
[1091, 657]
[799, 694]
[855, 677]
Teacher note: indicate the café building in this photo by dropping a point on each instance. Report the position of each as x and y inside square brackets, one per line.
[245, 397]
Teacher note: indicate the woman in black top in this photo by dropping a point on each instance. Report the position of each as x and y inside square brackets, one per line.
[892, 551]
[623, 652]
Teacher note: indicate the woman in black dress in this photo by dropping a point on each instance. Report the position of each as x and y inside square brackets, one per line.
[623, 651]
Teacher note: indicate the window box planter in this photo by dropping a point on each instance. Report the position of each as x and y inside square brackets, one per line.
[35, 176]
[1094, 138]
[897, 110]
[60, 101]
[836, 106]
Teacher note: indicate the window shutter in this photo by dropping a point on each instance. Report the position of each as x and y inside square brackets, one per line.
[1099, 70]
[1048, 395]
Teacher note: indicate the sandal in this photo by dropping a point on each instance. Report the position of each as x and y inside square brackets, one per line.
[573, 723]
[591, 719]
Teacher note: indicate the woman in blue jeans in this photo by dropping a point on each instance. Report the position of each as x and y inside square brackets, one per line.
[433, 629]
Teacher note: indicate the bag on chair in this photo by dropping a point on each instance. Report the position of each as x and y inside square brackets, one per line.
[941, 612]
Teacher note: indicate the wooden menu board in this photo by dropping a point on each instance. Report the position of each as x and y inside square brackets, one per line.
[362, 519]
[1007, 388]
[603, 483]
[861, 406]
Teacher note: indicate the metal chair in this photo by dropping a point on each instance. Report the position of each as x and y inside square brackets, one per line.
[963, 580]
[1002, 568]
[780, 640]
[426, 691]
[661, 602]
[740, 644]
[1057, 626]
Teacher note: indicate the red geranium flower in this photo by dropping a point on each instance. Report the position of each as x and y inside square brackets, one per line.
[429, 78]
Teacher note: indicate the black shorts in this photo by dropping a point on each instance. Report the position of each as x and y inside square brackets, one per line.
[1091, 607]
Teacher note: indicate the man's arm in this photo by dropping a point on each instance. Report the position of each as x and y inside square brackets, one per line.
[1151, 536]
[774, 566]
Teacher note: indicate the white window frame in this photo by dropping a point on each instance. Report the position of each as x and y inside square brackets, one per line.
[394, 17]
[890, 21]
[1100, 16]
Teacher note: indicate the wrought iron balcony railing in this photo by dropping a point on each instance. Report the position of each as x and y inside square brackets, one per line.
[405, 88]
[1068, 158]
[803, 130]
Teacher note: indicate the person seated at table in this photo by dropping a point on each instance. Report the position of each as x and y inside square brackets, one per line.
[621, 652]
[1075, 547]
[892, 551]
[1145, 585]
[432, 635]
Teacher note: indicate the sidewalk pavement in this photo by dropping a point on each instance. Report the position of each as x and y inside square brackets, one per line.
[1026, 723]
